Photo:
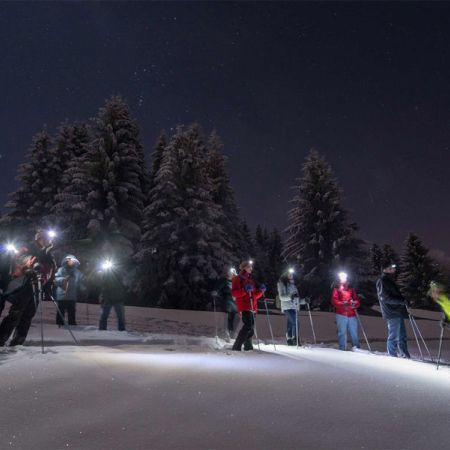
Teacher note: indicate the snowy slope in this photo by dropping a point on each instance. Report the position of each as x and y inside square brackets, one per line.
[139, 390]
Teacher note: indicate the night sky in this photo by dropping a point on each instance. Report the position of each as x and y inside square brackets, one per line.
[367, 84]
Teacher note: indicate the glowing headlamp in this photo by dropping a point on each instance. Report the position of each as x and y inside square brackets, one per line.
[251, 262]
[51, 234]
[107, 264]
[291, 271]
[342, 277]
[11, 248]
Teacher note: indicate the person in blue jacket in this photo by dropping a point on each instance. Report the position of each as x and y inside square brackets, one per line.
[69, 282]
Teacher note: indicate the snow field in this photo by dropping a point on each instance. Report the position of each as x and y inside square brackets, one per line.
[145, 390]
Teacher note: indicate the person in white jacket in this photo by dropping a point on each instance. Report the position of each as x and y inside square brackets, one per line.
[289, 299]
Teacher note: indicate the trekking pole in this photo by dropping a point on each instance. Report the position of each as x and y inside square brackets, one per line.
[415, 334]
[215, 317]
[40, 298]
[414, 325]
[297, 307]
[311, 321]
[440, 347]
[363, 331]
[64, 321]
[270, 325]
[422, 339]
[254, 319]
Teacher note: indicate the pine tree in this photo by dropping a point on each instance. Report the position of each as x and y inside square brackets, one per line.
[319, 236]
[389, 255]
[32, 202]
[115, 172]
[157, 156]
[376, 259]
[417, 272]
[69, 212]
[184, 242]
[223, 196]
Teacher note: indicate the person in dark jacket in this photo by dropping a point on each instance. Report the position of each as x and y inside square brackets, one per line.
[227, 301]
[30, 263]
[393, 309]
[246, 294]
[69, 283]
[112, 295]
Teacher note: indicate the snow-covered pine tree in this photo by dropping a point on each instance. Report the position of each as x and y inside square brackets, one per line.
[116, 174]
[417, 272]
[389, 255]
[38, 180]
[184, 243]
[157, 156]
[223, 196]
[320, 237]
[69, 212]
[376, 259]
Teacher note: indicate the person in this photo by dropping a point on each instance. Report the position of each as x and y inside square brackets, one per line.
[227, 301]
[289, 302]
[438, 294]
[345, 302]
[112, 295]
[69, 282]
[31, 264]
[394, 311]
[246, 294]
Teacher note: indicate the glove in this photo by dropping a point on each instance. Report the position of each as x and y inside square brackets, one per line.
[262, 287]
[294, 296]
[296, 302]
[248, 288]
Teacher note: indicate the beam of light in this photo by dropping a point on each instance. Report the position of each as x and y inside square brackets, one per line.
[107, 264]
[51, 234]
[343, 277]
[11, 248]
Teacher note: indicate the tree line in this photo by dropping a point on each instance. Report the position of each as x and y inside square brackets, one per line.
[173, 227]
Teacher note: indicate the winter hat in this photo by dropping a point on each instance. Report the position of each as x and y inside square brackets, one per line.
[389, 263]
[40, 233]
[244, 264]
[73, 258]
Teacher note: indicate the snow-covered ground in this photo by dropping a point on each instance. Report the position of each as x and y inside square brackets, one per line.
[170, 384]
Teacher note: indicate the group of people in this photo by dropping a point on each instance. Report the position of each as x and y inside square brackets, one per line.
[240, 295]
[33, 276]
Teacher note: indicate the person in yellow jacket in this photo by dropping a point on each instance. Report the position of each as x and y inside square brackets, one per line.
[438, 294]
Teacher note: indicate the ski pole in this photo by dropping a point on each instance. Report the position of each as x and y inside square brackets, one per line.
[422, 339]
[363, 331]
[311, 321]
[361, 325]
[296, 324]
[440, 348]
[414, 325]
[215, 316]
[40, 305]
[270, 325]
[254, 319]
[64, 321]
[415, 335]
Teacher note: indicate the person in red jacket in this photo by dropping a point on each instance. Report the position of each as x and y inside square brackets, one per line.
[345, 302]
[244, 290]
